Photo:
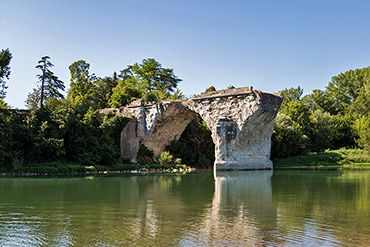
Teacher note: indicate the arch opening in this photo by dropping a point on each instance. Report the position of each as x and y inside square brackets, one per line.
[195, 147]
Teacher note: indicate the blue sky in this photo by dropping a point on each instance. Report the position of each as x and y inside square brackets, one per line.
[268, 44]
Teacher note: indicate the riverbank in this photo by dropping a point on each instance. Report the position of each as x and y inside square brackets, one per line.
[62, 168]
[328, 160]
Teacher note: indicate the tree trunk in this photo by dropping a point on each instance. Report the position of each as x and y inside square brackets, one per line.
[42, 90]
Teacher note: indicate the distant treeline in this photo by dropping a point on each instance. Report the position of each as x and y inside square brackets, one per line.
[69, 128]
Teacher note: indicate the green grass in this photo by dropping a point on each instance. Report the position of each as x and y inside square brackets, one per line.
[330, 159]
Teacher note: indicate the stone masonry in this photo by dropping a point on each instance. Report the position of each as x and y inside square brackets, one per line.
[241, 121]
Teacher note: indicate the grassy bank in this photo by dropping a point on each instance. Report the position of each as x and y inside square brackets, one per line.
[330, 159]
[66, 168]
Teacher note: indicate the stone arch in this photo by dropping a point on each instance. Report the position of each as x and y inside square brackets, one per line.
[170, 123]
[154, 126]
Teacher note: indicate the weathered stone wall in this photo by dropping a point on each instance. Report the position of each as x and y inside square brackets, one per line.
[241, 121]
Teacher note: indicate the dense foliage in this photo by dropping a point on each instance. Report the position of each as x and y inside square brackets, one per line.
[147, 81]
[5, 58]
[71, 129]
[334, 118]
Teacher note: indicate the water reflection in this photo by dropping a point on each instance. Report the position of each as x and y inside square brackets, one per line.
[234, 209]
[323, 208]
[241, 207]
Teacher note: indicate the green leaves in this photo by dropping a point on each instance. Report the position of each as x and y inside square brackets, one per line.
[346, 87]
[334, 118]
[5, 58]
[362, 127]
[148, 81]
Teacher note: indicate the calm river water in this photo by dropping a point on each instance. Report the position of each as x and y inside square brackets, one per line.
[257, 208]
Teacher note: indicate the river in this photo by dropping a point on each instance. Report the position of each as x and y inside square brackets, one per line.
[255, 208]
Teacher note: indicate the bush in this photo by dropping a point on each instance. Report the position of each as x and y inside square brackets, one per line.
[166, 158]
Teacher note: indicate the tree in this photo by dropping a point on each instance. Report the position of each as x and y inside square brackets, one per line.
[5, 58]
[49, 87]
[104, 90]
[33, 99]
[148, 81]
[322, 131]
[360, 110]
[346, 87]
[153, 76]
[362, 127]
[126, 91]
[361, 104]
[291, 94]
[289, 138]
[298, 111]
[80, 80]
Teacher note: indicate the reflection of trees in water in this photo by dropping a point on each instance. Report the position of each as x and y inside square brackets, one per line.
[108, 211]
[331, 206]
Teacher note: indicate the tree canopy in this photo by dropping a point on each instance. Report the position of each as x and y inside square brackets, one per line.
[148, 81]
[336, 117]
[5, 58]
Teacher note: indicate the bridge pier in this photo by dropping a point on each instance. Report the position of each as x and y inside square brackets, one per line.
[241, 121]
[246, 148]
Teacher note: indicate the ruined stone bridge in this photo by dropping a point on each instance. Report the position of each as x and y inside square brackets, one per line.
[241, 121]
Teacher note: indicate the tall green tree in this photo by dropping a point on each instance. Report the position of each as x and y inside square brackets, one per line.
[5, 58]
[148, 81]
[344, 88]
[88, 90]
[291, 94]
[81, 80]
[49, 84]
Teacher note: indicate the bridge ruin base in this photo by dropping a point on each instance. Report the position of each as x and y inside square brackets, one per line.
[248, 164]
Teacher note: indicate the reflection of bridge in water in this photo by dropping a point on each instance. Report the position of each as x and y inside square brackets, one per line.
[241, 208]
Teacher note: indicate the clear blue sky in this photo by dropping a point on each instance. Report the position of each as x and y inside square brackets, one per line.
[268, 44]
